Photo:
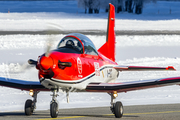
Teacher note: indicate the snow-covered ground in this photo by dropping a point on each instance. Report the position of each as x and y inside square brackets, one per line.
[158, 50]
[40, 21]
[17, 49]
[155, 17]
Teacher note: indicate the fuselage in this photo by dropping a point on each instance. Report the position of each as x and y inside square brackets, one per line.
[72, 69]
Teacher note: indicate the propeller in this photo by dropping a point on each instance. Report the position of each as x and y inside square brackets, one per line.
[52, 29]
[14, 68]
[49, 43]
[51, 37]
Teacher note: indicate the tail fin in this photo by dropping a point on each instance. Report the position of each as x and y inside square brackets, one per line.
[108, 49]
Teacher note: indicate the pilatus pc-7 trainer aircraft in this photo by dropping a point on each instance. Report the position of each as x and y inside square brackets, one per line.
[76, 66]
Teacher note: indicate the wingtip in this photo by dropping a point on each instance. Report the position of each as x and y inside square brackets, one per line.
[170, 68]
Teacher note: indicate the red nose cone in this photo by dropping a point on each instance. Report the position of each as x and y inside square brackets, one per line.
[46, 62]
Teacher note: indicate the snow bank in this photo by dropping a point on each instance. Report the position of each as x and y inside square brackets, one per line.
[40, 41]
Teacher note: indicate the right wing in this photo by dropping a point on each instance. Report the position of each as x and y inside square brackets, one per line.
[22, 84]
[133, 85]
[142, 68]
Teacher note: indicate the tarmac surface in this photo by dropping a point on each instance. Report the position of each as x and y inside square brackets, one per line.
[140, 112]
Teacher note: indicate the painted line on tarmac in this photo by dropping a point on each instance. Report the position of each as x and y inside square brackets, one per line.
[152, 113]
[148, 113]
[61, 118]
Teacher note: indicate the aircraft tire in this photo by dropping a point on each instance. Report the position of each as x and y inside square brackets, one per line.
[118, 109]
[54, 109]
[28, 107]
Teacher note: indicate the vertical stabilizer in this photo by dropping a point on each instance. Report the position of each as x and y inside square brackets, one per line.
[108, 49]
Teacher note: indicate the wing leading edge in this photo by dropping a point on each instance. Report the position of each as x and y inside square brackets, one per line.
[142, 68]
[129, 86]
[22, 84]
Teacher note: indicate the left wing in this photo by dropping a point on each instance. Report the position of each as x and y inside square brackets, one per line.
[22, 84]
[129, 86]
[142, 68]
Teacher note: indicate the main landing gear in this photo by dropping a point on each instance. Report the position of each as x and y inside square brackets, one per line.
[30, 105]
[116, 108]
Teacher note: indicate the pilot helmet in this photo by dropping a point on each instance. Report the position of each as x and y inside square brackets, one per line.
[69, 42]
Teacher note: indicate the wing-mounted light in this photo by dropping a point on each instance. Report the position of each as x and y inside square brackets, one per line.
[63, 65]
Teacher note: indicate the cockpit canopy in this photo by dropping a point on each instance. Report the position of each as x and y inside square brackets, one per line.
[70, 45]
[77, 43]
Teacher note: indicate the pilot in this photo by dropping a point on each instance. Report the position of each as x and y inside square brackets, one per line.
[69, 43]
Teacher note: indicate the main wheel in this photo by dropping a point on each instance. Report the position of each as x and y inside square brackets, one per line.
[118, 110]
[28, 107]
[54, 110]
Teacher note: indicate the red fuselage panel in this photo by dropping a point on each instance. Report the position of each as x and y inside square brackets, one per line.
[82, 65]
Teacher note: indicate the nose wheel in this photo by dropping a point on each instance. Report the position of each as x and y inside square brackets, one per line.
[54, 109]
[54, 106]
[116, 107]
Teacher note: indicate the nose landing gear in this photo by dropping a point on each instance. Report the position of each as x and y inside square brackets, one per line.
[54, 105]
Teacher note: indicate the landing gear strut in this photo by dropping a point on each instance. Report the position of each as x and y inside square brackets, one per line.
[116, 108]
[30, 105]
[54, 105]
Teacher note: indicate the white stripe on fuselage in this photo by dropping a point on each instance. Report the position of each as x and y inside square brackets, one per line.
[107, 74]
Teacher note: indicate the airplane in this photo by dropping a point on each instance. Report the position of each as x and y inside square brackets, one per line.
[77, 66]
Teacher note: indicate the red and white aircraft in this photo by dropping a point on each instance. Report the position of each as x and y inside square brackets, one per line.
[76, 66]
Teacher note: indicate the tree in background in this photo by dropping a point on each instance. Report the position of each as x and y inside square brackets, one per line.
[90, 5]
[96, 6]
[129, 6]
[118, 5]
[83, 4]
[139, 6]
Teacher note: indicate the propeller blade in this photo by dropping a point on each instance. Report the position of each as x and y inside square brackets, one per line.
[49, 44]
[52, 30]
